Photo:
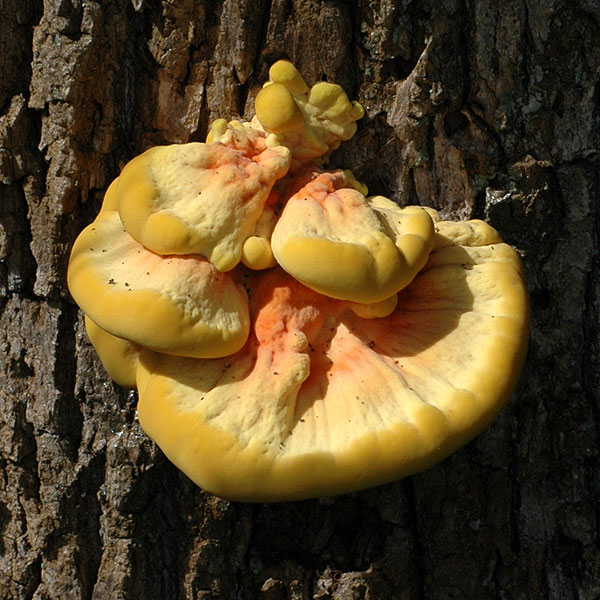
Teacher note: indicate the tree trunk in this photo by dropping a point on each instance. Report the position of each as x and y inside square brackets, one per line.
[477, 108]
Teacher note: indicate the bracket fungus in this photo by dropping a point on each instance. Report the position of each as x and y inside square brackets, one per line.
[290, 336]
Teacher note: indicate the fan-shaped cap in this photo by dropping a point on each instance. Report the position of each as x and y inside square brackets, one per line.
[174, 304]
[321, 401]
[197, 198]
[341, 244]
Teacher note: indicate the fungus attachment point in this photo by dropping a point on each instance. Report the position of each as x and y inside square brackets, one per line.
[354, 345]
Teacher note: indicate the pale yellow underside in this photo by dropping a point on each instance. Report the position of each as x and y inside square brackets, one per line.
[320, 401]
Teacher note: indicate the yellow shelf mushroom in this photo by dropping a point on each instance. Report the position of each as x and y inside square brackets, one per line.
[176, 304]
[321, 401]
[197, 198]
[341, 244]
[288, 335]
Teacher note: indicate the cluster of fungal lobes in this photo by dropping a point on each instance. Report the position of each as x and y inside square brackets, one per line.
[288, 335]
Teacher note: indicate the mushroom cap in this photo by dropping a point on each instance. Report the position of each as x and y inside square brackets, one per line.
[198, 198]
[118, 356]
[174, 304]
[321, 401]
[341, 244]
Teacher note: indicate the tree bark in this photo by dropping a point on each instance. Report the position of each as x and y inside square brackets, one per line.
[477, 108]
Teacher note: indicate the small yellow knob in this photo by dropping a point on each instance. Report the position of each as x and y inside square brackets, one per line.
[277, 110]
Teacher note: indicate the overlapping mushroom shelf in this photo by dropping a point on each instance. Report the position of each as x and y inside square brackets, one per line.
[320, 401]
[290, 337]
[317, 400]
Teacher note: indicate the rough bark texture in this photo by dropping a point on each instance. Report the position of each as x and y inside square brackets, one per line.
[478, 108]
